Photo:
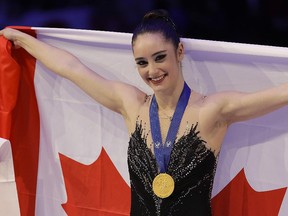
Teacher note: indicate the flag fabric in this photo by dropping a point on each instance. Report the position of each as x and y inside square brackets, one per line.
[70, 153]
[9, 198]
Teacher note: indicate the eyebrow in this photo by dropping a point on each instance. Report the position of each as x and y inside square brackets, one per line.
[154, 54]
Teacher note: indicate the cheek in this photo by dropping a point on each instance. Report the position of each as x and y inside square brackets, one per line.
[142, 73]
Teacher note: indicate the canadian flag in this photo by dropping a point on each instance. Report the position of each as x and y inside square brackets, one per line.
[61, 153]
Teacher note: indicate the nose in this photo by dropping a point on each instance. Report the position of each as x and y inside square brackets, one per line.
[152, 67]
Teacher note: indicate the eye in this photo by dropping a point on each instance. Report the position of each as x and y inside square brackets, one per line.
[160, 58]
[141, 63]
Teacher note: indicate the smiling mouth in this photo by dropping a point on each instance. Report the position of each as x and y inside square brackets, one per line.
[157, 80]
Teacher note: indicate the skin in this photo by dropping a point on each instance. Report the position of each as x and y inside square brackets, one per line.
[159, 65]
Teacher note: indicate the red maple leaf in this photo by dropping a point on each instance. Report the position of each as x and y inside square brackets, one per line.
[95, 189]
[238, 198]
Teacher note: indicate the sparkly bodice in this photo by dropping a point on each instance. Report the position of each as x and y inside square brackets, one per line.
[192, 166]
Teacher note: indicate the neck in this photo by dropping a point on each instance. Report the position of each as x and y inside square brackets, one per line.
[167, 101]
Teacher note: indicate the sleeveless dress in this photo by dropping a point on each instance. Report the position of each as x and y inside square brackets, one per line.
[192, 166]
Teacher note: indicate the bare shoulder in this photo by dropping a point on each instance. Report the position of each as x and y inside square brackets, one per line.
[212, 109]
[211, 106]
[206, 110]
[133, 100]
[217, 101]
[207, 101]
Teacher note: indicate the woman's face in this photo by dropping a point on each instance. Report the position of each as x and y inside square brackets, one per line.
[157, 61]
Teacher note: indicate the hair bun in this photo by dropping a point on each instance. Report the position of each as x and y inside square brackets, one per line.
[157, 21]
[160, 14]
[156, 14]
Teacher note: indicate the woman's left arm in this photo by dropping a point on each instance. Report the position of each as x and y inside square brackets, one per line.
[236, 106]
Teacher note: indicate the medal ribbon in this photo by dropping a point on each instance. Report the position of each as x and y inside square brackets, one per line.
[162, 151]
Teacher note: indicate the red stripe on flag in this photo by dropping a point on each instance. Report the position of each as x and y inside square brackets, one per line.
[9, 80]
[21, 123]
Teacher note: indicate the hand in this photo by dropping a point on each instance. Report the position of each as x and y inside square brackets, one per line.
[11, 34]
[8, 33]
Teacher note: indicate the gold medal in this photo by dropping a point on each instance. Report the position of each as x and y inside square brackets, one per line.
[163, 185]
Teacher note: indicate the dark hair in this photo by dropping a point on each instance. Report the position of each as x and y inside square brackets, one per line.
[158, 21]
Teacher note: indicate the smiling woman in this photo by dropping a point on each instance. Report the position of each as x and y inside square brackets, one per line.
[171, 160]
[158, 53]
[158, 63]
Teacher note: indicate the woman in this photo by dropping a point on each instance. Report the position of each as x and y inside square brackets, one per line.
[176, 133]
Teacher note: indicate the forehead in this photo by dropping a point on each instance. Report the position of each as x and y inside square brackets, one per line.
[148, 43]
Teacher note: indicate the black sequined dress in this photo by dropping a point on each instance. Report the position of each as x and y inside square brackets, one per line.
[192, 167]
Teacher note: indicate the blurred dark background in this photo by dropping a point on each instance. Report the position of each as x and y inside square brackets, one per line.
[262, 22]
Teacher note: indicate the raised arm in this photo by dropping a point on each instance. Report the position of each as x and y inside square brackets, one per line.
[236, 106]
[109, 93]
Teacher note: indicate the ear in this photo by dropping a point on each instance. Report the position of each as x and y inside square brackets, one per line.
[180, 51]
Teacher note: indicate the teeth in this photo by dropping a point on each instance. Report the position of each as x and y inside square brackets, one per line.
[157, 78]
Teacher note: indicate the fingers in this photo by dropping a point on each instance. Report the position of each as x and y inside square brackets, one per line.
[8, 33]
[2, 32]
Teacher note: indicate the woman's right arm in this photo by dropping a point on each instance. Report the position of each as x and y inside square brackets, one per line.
[111, 94]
